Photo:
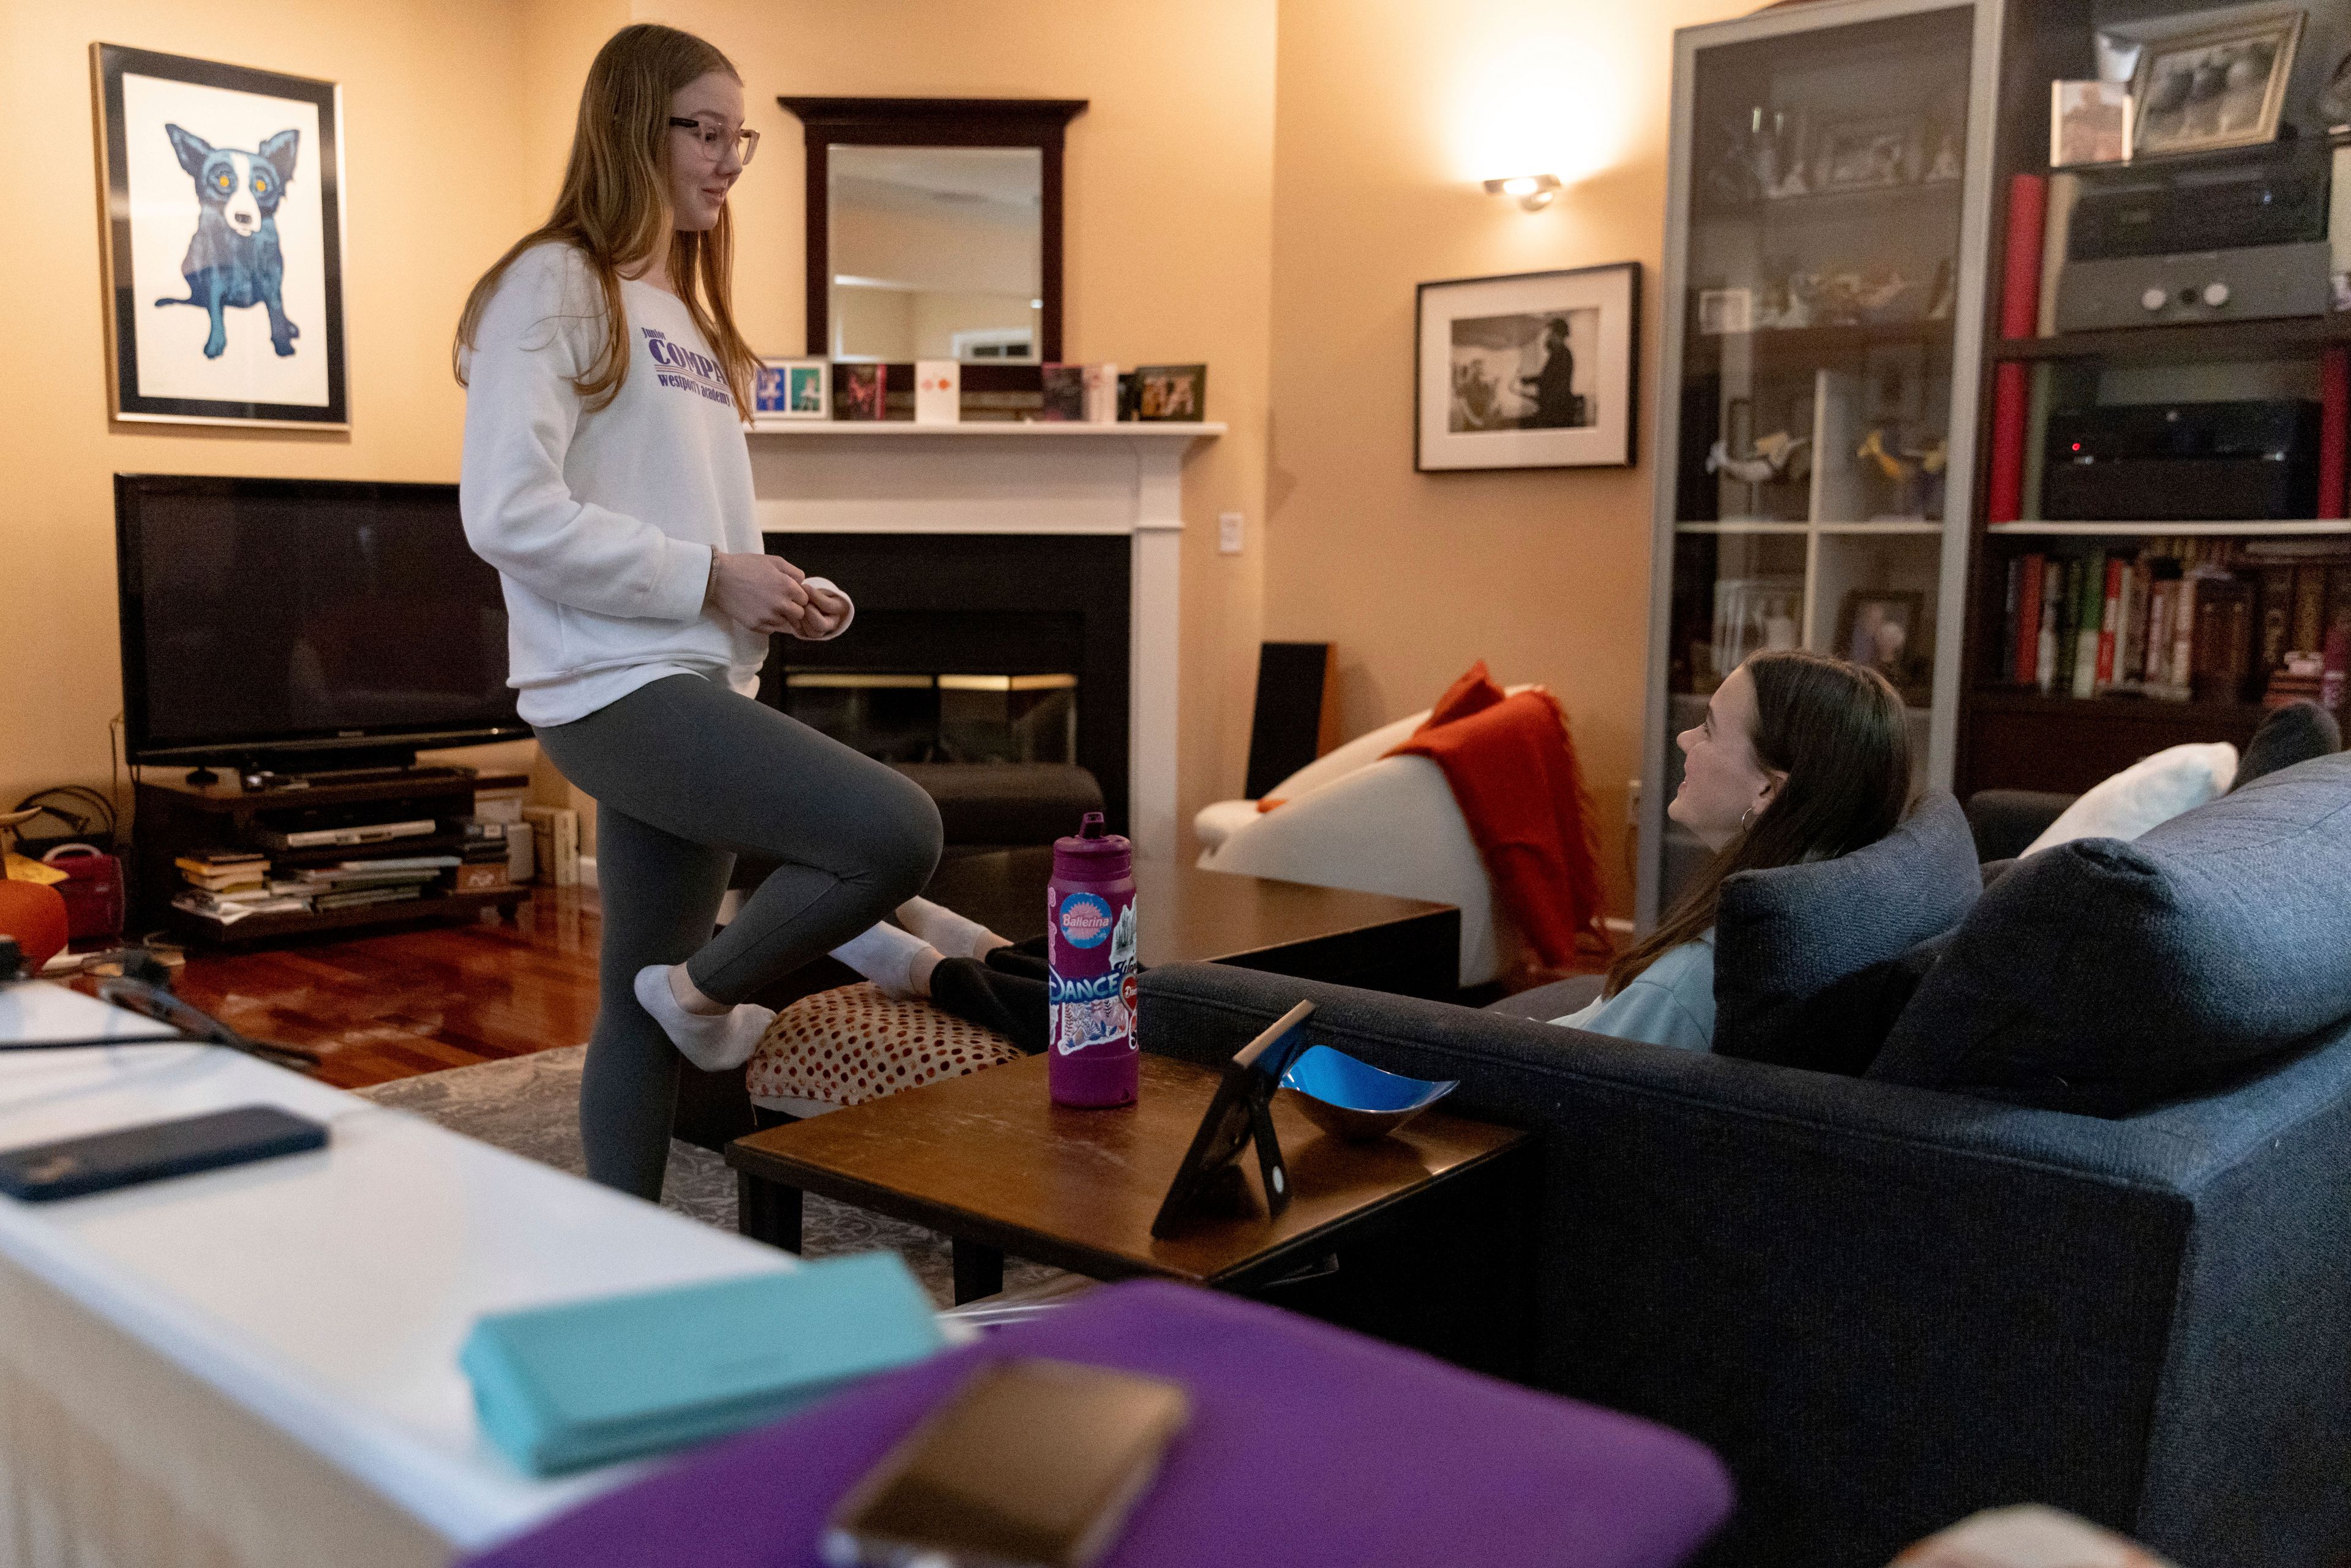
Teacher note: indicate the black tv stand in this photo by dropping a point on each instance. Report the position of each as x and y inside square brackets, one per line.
[178, 818]
[203, 775]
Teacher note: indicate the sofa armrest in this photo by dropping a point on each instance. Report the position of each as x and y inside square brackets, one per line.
[1885, 1307]
[2005, 821]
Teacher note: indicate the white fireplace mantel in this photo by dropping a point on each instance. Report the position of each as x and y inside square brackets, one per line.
[1006, 478]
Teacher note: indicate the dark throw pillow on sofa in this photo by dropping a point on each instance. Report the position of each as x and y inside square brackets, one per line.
[2103, 976]
[1784, 938]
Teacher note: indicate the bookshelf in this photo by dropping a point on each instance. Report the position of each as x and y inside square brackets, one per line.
[2266, 574]
[1827, 210]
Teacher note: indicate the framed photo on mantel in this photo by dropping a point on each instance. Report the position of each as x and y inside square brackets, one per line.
[1536, 371]
[224, 240]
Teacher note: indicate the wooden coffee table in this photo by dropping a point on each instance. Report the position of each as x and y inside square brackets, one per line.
[989, 1161]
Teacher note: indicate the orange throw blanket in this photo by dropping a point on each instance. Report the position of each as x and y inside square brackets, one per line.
[1513, 773]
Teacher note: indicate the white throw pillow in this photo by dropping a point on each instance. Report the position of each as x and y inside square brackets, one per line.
[2152, 789]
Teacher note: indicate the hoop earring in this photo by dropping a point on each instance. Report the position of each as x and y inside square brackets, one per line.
[1746, 819]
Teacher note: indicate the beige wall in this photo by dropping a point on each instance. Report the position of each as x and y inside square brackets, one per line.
[1168, 227]
[430, 111]
[1387, 114]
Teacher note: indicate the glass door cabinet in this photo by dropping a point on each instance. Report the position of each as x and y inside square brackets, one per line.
[1823, 292]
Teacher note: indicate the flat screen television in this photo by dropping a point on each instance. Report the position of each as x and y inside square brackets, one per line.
[298, 619]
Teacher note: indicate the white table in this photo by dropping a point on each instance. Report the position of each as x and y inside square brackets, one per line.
[259, 1364]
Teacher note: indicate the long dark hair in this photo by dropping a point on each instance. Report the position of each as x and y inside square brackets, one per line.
[1839, 733]
[610, 208]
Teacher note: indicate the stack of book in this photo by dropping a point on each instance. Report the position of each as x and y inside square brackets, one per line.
[2214, 620]
[229, 885]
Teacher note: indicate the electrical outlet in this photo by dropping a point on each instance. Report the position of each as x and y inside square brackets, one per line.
[1228, 532]
[1633, 803]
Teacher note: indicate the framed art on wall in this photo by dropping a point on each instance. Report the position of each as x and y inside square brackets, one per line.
[1535, 371]
[224, 245]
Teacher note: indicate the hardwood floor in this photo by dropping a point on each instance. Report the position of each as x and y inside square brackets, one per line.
[414, 1000]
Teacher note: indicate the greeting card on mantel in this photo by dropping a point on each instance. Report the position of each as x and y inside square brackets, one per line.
[938, 391]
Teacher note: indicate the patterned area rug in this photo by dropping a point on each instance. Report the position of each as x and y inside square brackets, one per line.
[529, 1105]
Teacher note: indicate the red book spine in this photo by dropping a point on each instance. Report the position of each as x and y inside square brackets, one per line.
[2004, 495]
[2334, 416]
[2110, 621]
[2028, 621]
[2019, 288]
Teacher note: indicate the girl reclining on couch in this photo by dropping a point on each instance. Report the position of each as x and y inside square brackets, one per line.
[1800, 757]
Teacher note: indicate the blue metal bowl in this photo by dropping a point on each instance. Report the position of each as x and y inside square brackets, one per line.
[1355, 1101]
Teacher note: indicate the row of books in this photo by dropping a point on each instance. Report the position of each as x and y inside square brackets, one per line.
[2210, 620]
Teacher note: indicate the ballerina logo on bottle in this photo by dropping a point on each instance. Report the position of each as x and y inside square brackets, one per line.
[1085, 920]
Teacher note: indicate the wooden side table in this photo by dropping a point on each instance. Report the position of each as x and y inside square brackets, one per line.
[1435, 1214]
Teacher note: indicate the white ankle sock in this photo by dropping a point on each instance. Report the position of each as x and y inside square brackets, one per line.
[715, 1042]
[950, 932]
[885, 955]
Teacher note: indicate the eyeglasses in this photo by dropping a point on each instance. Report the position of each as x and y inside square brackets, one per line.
[714, 141]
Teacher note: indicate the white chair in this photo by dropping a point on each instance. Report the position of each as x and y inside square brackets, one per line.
[1358, 819]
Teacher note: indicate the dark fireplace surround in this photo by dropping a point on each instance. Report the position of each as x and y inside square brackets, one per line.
[980, 604]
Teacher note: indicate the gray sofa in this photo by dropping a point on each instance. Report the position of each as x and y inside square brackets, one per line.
[1887, 1306]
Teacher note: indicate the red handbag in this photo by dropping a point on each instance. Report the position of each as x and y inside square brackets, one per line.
[92, 890]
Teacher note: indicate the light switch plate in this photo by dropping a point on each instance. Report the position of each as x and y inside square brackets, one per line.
[1228, 532]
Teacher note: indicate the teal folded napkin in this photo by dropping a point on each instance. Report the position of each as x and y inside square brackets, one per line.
[586, 1383]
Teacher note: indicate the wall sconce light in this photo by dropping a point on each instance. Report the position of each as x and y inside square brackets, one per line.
[1534, 192]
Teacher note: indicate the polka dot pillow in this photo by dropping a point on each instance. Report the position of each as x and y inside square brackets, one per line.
[853, 1044]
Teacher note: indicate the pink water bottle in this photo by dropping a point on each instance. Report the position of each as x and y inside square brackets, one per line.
[1089, 921]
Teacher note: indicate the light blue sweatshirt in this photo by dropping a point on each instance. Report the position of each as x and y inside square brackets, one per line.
[1671, 1002]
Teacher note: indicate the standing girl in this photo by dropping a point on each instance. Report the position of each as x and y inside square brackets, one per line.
[607, 478]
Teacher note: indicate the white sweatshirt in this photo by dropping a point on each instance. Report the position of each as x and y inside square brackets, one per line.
[602, 521]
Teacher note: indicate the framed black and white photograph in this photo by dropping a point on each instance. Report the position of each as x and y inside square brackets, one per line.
[2217, 86]
[224, 245]
[1535, 371]
[785, 390]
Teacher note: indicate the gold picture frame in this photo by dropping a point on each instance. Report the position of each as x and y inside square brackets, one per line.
[2197, 92]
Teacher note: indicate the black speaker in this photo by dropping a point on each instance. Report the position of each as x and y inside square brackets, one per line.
[1295, 710]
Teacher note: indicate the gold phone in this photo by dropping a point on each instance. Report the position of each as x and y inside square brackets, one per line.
[1030, 1464]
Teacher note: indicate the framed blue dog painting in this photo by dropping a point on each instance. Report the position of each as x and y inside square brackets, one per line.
[224, 243]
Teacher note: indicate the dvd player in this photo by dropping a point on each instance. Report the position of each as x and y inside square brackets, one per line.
[356, 834]
[2182, 462]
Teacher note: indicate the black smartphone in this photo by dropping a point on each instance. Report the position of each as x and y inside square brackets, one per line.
[1030, 1464]
[128, 1156]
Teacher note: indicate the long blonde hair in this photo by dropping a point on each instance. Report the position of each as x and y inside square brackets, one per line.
[614, 202]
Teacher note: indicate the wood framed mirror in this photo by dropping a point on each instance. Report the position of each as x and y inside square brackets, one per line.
[934, 229]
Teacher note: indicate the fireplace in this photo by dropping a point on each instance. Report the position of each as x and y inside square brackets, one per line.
[977, 650]
[1001, 550]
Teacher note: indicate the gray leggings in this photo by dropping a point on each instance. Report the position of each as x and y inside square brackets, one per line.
[686, 775]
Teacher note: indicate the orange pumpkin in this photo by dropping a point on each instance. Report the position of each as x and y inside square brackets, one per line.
[35, 917]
